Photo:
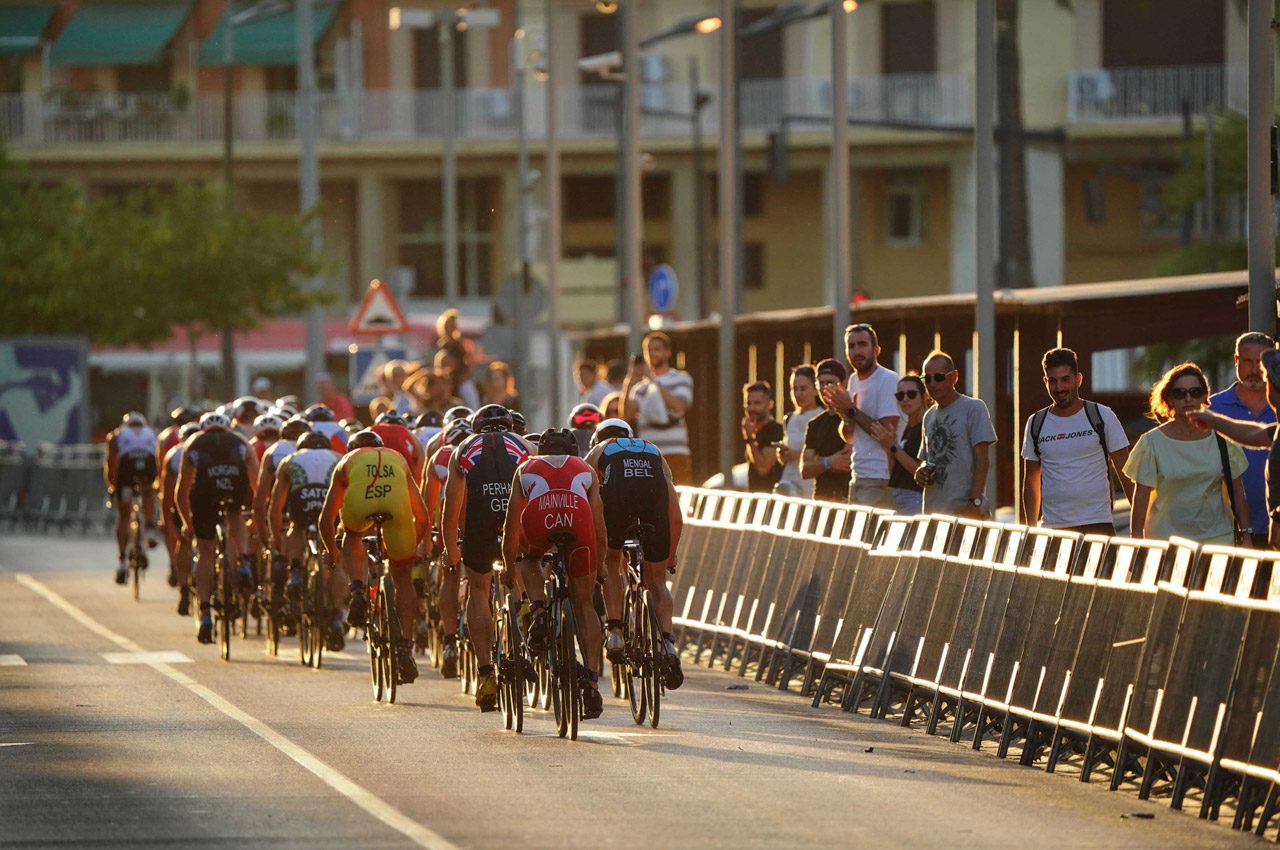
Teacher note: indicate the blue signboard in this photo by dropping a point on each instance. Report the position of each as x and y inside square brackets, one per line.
[663, 288]
[44, 389]
[366, 364]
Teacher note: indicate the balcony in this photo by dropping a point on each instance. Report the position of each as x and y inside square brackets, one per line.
[1153, 94]
[386, 116]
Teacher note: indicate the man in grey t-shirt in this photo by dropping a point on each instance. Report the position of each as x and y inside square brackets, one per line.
[956, 448]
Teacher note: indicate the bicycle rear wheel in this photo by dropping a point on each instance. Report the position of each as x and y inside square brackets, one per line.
[273, 616]
[226, 596]
[374, 642]
[566, 695]
[317, 613]
[656, 656]
[390, 635]
[137, 559]
[633, 638]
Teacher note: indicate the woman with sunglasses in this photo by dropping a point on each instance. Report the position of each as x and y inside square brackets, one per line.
[1177, 468]
[903, 445]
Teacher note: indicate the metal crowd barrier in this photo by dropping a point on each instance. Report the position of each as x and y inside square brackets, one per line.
[52, 487]
[1153, 662]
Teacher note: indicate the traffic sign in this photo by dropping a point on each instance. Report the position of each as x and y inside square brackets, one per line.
[379, 313]
[663, 288]
[366, 365]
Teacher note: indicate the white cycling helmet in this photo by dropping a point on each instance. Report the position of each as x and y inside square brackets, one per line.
[213, 420]
[610, 429]
[267, 422]
[134, 419]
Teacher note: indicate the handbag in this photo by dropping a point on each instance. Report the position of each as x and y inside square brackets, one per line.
[1240, 537]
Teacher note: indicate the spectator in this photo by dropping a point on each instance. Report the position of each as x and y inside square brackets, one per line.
[593, 388]
[657, 398]
[450, 363]
[380, 405]
[1246, 400]
[500, 386]
[1069, 448]
[1179, 470]
[611, 406]
[804, 395]
[330, 396]
[262, 388]
[956, 447]
[431, 389]
[762, 434]
[827, 458]
[903, 445]
[616, 374]
[868, 399]
[393, 378]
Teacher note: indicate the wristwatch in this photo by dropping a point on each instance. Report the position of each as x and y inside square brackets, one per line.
[851, 411]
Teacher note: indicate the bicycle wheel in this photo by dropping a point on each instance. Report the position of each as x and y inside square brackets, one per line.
[226, 596]
[391, 635]
[513, 665]
[135, 554]
[573, 670]
[273, 618]
[633, 639]
[556, 665]
[656, 654]
[319, 620]
[374, 642]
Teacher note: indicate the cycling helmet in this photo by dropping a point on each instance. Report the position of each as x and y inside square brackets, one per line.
[518, 425]
[430, 419]
[210, 421]
[290, 402]
[364, 440]
[558, 441]
[585, 415]
[314, 440]
[351, 425]
[184, 415]
[318, 413]
[391, 417]
[457, 431]
[491, 417]
[461, 411]
[247, 404]
[188, 429]
[134, 419]
[267, 422]
[611, 429]
[294, 427]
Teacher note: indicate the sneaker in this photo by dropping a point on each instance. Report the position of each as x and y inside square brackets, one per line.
[449, 661]
[358, 614]
[592, 703]
[614, 649]
[674, 675]
[184, 602]
[539, 631]
[406, 667]
[205, 635]
[337, 640]
[487, 693]
[122, 573]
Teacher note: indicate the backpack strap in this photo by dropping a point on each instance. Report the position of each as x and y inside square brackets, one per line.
[1037, 425]
[1226, 476]
[1094, 416]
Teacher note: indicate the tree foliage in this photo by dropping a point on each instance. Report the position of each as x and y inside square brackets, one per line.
[132, 270]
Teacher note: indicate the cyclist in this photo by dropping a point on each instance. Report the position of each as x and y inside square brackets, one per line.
[395, 434]
[293, 430]
[557, 491]
[583, 421]
[478, 487]
[373, 479]
[130, 464]
[298, 492]
[518, 425]
[427, 426]
[451, 415]
[218, 469]
[244, 411]
[170, 436]
[176, 540]
[433, 488]
[266, 431]
[321, 419]
[635, 486]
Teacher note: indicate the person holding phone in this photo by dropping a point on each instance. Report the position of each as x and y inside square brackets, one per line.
[762, 435]
[656, 399]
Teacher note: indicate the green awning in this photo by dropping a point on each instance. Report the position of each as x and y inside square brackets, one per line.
[266, 41]
[20, 27]
[119, 32]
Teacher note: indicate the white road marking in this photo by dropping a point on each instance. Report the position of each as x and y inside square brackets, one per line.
[12, 661]
[18, 744]
[369, 802]
[146, 658]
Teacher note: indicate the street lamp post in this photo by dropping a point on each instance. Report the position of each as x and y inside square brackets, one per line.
[309, 182]
[551, 169]
[984, 343]
[448, 157]
[727, 187]
[1262, 228]
[632, 212]
[842, 263]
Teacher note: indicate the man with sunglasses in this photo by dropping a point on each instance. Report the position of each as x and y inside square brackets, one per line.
[867, 400]
[1067, 450]
[957, 444]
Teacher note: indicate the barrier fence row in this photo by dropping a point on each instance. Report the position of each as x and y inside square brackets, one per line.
[1152, 663]
[52, 487]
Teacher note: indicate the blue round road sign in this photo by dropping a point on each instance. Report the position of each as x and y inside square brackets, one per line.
[663, 288]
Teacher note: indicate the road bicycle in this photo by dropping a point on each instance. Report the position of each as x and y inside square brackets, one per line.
[566, 655]
[136, 553]
[644, 653]
[382, 630]
[226, 597]
[508, 654]
[313, 614]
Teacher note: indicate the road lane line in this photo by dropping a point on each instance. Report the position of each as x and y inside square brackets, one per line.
[12, 661]
[145, 658]
[372, 804]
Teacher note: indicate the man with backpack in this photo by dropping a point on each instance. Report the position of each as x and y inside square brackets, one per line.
[1068, 449]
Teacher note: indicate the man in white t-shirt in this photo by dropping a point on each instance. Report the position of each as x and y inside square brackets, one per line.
[868, 398]
[1066, 482]
[657, 399]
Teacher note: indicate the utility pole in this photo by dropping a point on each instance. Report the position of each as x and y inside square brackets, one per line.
[551, 174]
[309, 182]
[728, 190]
[699, 195]
[228, 178]
[520, 320]
[632, 213]
[1261, 142]
[842, 262]
[449, 161]
[984, 344]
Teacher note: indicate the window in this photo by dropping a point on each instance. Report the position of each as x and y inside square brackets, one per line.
[282, 78]
[590, 197]
[907, 38]
[1170, 32]
[761, 55]
[752, 194]
[1156, 221]
[421, 239]
[904, 211]
[426, 58]
[753, 276]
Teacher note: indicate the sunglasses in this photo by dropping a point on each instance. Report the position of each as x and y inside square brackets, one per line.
[936, 377]
[1179, 393]
[906, 394]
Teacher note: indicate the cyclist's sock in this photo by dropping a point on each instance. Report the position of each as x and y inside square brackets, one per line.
[594, 676]
[355, 586]
[485, 670]
[537, 605]
[450, 639]
[613, 625]
[205, 607]
[669, 636]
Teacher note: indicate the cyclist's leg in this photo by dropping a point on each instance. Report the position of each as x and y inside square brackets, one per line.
[479, 617]
[237, 535]
[354, 558]
[406, 597]
[655, 578]
[149, 506]
[449, 607]
[206, 552]
[401, 539]
[614, 570]
[182, 569]
[581, 589]
[124, 515]
[531, 573]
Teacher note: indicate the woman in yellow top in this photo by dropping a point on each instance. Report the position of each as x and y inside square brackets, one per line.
[1177, 468]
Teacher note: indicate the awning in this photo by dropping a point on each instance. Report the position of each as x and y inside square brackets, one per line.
[266, 41]
[119, 32]
[20, 27]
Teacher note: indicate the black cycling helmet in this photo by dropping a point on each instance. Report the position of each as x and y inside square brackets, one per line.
[314, 440]
[430, 419]
[184, 415]
[318, 413]
[188, 429]
[391, 417]
[558, 441]
[518, 425]
[294, 428]
[491, 417]
[585, 415]
[458, 430]
[611, 429]
[351, 426]
[460, 411]
[364, 440]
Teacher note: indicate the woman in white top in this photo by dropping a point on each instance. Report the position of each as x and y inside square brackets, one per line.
[804, 395]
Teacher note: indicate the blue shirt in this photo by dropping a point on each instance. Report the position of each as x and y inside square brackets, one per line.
[1228, 403]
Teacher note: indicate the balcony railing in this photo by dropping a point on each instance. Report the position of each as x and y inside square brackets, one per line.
[587, 111]
[1153, 94]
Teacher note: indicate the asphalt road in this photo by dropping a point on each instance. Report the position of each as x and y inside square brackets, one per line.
[185, 750]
